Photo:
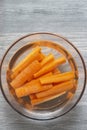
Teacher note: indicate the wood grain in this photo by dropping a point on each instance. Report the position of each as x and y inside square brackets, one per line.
[65, 17]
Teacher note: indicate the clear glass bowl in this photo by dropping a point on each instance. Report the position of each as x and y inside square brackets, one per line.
[58, 45]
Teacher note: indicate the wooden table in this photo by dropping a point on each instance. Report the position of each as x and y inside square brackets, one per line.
[65, 17]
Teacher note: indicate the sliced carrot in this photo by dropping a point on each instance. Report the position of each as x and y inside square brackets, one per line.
[47, 59]
[57, 78]
[37, 87]
[49, 67]
[34, 55]
[45, 75]
[45, 99]
[39, 56]
[26, 74]
[32, 87]
[65, 86]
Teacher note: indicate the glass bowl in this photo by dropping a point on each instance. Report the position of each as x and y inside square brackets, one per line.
[58, 45]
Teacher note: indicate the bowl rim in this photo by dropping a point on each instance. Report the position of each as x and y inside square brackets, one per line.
[53, 34]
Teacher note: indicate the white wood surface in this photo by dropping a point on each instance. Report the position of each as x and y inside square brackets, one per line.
[65, 17]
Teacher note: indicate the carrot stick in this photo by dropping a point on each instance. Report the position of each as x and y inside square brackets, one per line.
[47, 59]
[37, 87]
[32, 87]
[26, 61]
[45, 75]
[45, 99]
[49, 67]
[65, 86]
[57, 78]
[26, 74]
[39, 57]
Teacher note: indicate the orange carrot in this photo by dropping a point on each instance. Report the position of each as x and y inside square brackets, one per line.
[49, 67]
[65, 86]
[26, 74]
[57, 78]
[56, 71]
[45, 75]
[40, 57]
[33, 87]
[34, 55]
[37, 87]
[37, 101]
[47, 59]
[32, 96]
